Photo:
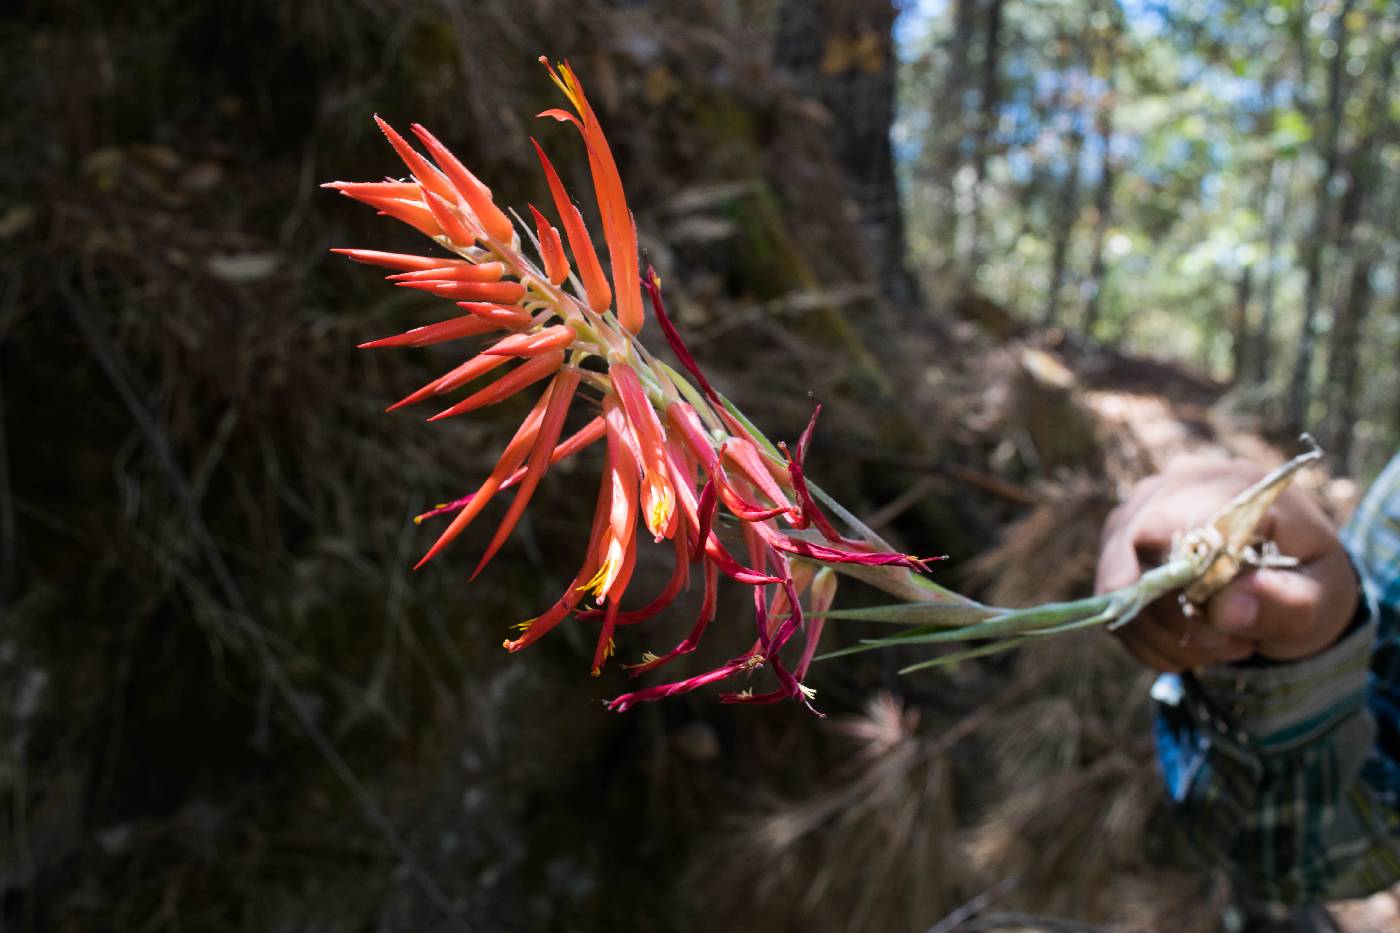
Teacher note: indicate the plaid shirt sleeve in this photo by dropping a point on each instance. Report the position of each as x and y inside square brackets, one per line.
[1288, 776]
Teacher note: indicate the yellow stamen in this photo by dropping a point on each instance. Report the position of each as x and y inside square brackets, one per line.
[607, 653]
[660, 505]
[602, 579]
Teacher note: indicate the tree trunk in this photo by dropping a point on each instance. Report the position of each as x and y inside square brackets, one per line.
[1300, 387]
[1275, 210]
[1239, 330]
[1350, 314]
[1064, 228]
[1107, 56]
[987, 113]
[1343, 364]
[844, 49]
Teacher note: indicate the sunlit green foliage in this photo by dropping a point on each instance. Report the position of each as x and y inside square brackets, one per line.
[1183, 178]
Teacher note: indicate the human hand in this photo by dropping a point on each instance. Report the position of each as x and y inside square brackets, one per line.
[1281, 614]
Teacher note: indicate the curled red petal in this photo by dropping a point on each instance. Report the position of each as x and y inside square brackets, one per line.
[679, 575]
[697, 631]
[723, 672]
[832, 555]
[811, 512]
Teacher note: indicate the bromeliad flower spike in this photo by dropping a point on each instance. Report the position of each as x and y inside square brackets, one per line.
[681, 462]
[679, 459]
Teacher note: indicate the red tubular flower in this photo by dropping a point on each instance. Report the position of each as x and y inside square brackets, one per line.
[680, 574]
[413, 213]
[748, 662]
[658, 495]
[742, 453]
[534, 629]
[823, 595]
[691, 641]
[453, 224]
[427, 174]
[652, 283]
[622, 475]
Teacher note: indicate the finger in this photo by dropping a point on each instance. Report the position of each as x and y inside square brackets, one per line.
[1297, 524]
[1293, 613]
[1194, 646]
[1146, 656]
[1118, 563]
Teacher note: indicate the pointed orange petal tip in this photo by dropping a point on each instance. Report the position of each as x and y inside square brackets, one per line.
[422, 169]
[532, 371]
[492, 219]
[563, 116]
[400, 261]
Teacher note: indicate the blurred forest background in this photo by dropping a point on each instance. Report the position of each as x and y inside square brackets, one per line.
[1024, 251]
